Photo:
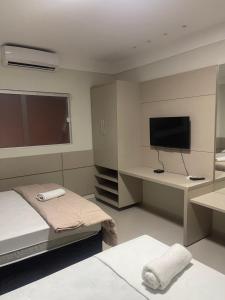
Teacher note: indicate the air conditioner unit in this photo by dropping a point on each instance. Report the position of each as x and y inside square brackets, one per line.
[29, 58]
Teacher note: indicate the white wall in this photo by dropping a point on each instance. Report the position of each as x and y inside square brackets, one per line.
[76, 83]
[198, 58]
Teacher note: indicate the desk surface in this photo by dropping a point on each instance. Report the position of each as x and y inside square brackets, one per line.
[219, 175]
[170, 179]
[214, 200]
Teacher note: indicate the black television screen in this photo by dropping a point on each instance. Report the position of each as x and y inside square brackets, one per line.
[170, 132]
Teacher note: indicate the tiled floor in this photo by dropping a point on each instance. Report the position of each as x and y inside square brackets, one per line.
[135, 221]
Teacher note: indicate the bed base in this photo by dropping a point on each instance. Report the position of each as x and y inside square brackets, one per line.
[37, 267]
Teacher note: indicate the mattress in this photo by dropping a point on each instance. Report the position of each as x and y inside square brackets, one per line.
[23, 232]
[118, 272]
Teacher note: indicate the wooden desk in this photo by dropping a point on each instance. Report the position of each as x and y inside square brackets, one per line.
[214, 200]
[177, 181]
[195, 220]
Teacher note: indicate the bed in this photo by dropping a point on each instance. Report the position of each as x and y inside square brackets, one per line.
[116, 274]
[24, 233]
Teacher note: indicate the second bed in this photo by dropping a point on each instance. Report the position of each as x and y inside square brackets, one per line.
[116, 274]
[24, 233]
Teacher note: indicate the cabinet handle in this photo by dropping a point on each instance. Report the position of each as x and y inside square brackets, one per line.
[100, 126]
[103, 127]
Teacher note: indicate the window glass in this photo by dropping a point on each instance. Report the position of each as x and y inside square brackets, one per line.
[28, 120]
[11, 121]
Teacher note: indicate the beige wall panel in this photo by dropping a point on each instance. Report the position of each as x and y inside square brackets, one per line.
[21, 166]
[128, 118]
[201, 111]
[77, 159]
[54, 177]
[198, 163]
[183, 85]
[163, 199]
[80, 181]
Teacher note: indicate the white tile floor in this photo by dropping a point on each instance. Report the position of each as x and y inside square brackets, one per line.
[135, 221]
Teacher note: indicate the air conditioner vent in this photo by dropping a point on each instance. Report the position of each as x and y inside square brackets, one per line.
[29, 58]
[13, 63]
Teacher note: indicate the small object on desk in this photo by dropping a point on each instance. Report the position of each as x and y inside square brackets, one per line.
[158, 171]
[195, 178]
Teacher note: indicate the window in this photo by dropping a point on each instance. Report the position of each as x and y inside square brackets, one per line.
[29, 119]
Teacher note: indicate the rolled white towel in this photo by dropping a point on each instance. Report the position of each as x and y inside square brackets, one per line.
[158, 273]
[51, 194]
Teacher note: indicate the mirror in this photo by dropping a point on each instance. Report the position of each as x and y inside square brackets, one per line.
[220, 122]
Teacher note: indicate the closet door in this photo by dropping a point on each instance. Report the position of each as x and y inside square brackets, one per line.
[104, 125]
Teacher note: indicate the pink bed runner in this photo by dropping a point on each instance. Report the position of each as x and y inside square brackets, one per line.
[69, 211]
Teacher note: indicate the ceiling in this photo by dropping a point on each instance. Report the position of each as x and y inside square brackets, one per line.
[112, 35]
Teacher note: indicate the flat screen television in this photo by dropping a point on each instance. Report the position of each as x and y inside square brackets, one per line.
[170, 132]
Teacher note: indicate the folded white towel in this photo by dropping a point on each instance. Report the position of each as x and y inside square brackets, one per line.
[51, 194]
[158, 273]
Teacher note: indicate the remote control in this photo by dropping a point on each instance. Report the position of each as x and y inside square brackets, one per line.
[195, 178]
[158, 171]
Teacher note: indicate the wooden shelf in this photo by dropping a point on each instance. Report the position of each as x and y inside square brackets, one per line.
[107, 172]
[107, 188]
[107, 200]
[107, 177]
[107, 185]
[107, 196]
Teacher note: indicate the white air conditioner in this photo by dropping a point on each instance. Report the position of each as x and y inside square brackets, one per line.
[29, 58]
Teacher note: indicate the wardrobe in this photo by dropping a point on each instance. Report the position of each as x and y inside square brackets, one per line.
[116, 141]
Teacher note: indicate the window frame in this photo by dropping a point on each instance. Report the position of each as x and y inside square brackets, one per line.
[38, 93]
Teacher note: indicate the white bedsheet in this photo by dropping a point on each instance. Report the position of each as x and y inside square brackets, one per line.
[21, 226]
[116, 274]
[198, 282]
[89, 279]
